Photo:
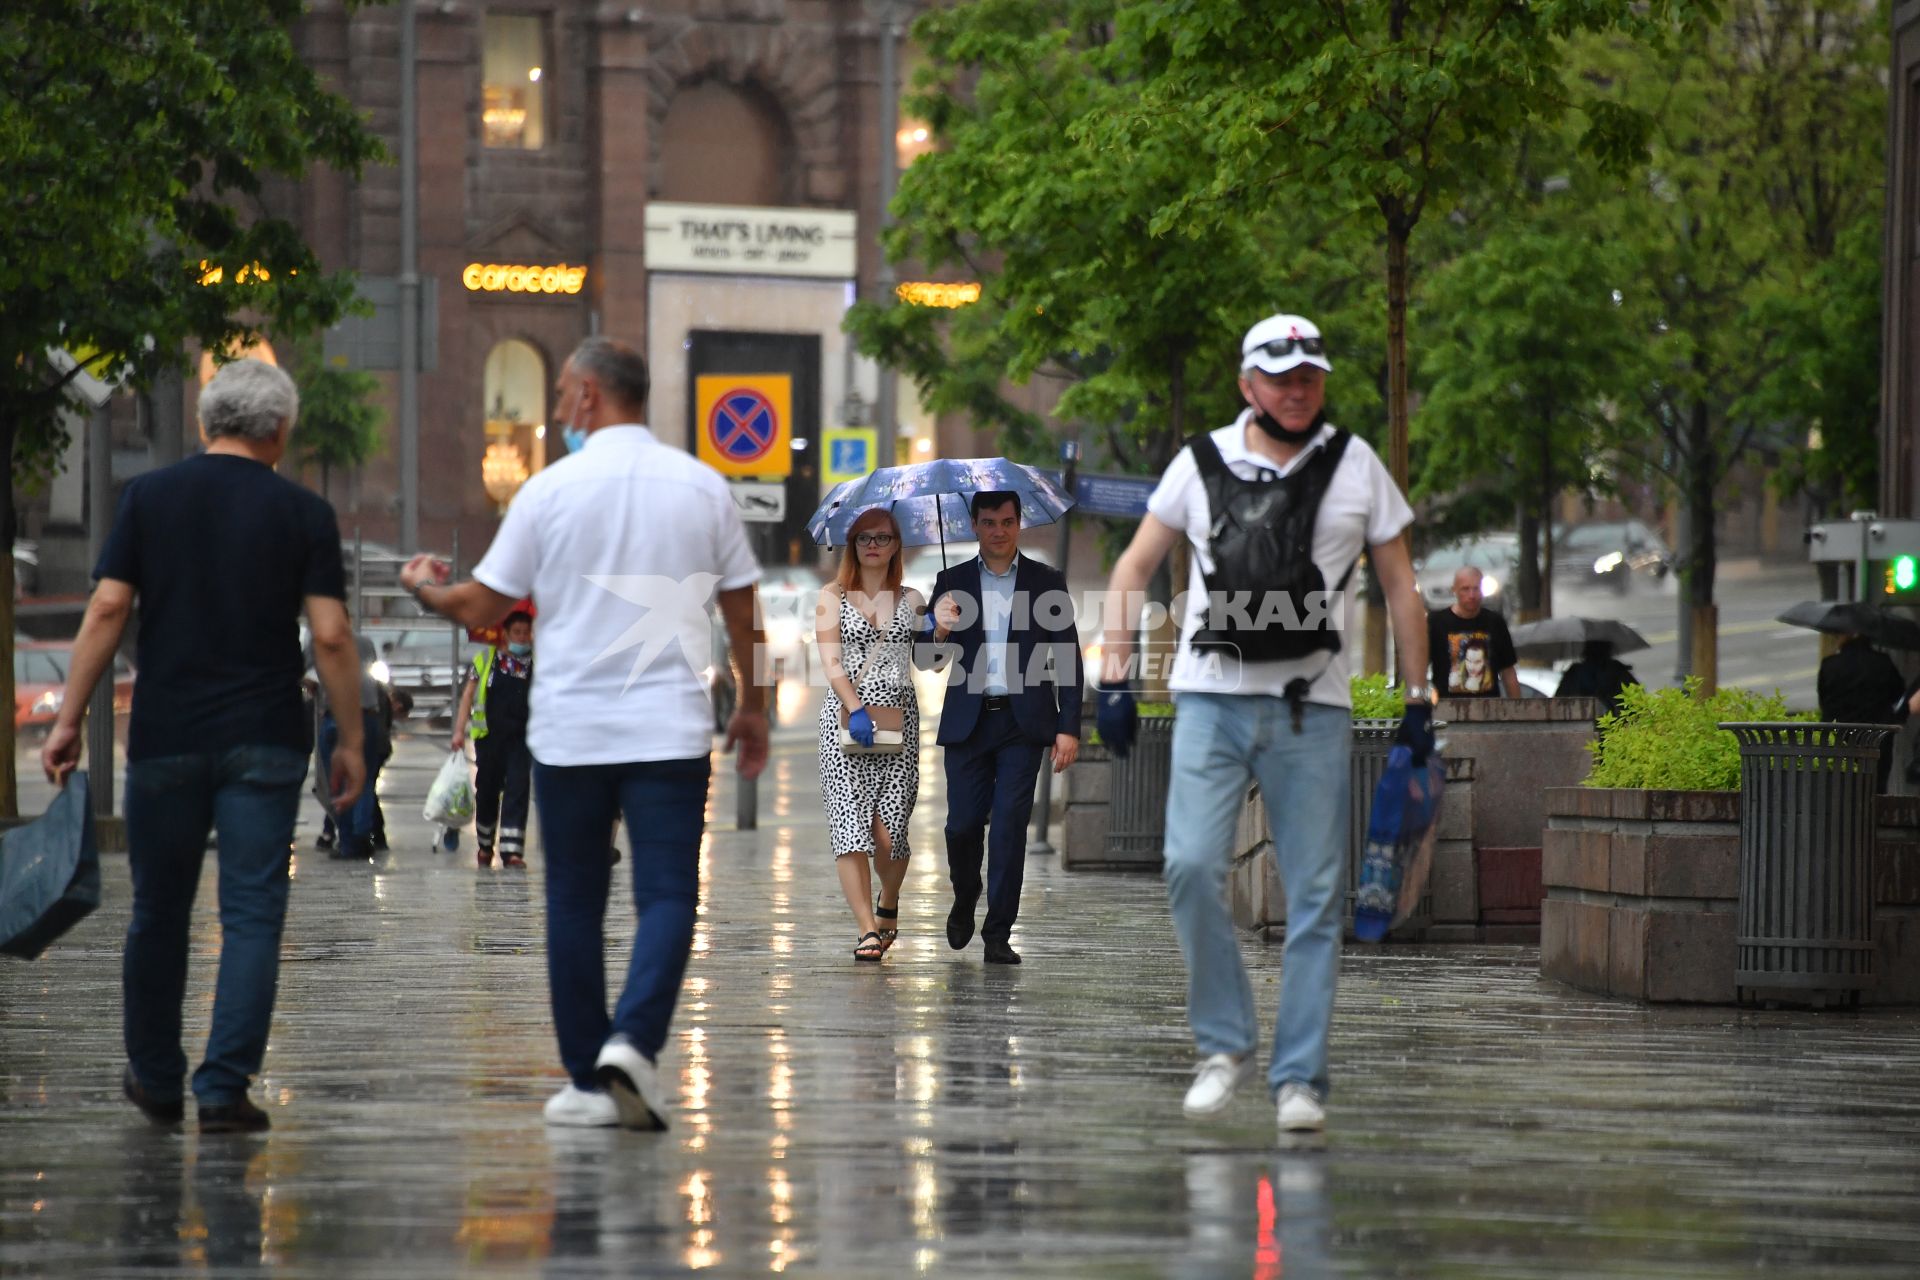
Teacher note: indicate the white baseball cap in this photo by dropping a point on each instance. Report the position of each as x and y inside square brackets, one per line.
[1283, 342]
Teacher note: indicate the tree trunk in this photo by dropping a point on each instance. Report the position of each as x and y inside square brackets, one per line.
[1527, 580]
[1702, 549]
[9, 781]
[1399, 230]
[326, 481]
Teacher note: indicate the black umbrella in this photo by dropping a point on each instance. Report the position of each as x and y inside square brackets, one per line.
[1555, 638]
[1855, 618]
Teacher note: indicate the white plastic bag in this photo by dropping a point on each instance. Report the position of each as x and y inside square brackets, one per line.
[450, 798]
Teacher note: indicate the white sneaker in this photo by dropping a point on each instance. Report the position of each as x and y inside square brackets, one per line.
[574, 1108]
[632, 1082]
[1214, 1080]
[1300, 1110]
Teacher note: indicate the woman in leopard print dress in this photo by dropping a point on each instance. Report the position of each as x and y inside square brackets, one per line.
[865, 624]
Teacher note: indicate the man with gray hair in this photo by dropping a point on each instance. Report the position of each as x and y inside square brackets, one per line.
[621, 545]
[222, 555]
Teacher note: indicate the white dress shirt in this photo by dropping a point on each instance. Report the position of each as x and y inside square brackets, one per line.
[622, 547]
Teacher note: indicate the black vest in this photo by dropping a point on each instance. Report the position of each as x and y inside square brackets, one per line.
[1266, 599]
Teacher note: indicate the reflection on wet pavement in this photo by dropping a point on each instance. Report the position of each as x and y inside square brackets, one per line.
[930, 1115]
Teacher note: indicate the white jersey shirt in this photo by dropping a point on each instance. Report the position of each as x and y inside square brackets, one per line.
[622, 547]
[1363, 507]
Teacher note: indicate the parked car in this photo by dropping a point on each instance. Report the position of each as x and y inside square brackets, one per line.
[1496, 555]
[420, 661]
[1610, 553]
[40, 679]
[788, 594]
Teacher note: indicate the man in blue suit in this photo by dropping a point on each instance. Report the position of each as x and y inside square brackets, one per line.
[1006, 621]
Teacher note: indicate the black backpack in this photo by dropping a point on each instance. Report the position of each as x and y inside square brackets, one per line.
[1266, 599]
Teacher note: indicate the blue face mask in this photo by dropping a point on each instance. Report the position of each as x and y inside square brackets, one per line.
[519, 650]
[576, 439]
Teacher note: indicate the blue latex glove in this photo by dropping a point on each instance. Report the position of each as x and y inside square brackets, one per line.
[1416, 731]
[1117, 718]
[860, 725]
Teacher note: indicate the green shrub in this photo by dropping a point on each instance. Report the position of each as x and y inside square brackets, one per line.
[1375, 699]
[1670, 739]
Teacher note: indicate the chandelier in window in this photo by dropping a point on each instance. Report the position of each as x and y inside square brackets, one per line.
[503, 469]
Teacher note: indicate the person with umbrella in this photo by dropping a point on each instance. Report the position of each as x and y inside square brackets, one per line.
[1598, 674]
[1858, 684]
[1006, 621]
[864, 625]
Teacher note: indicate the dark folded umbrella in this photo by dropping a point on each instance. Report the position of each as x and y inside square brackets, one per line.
[49, 873]
[1855, 618]
[1554, 638]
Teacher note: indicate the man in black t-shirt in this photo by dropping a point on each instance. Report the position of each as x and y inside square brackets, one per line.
[1468, 647]
[222, 555]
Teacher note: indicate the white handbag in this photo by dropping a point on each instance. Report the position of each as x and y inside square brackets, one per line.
[889, 724]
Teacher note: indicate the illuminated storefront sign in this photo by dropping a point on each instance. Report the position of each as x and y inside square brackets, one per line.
[496, 277]
[935, 293]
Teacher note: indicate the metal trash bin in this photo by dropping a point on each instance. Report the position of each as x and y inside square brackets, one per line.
[1806, 859]
[1137, 806]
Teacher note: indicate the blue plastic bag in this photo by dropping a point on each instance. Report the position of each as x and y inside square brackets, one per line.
[1400, 836]
[49, 873]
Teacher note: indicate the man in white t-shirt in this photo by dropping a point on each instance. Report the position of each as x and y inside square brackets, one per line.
[621, 545]
[1284, 721]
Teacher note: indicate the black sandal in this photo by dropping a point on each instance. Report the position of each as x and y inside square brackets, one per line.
[887, 936]
[869, 951]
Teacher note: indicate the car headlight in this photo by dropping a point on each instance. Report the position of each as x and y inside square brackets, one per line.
[1096, 652]
[379, 670]
[1609, 562]
[51, 700]
[1489, 585]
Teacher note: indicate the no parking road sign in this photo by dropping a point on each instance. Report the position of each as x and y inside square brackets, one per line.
[743, 423]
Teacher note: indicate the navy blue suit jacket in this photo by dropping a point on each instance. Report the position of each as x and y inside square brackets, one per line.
[1044, 653]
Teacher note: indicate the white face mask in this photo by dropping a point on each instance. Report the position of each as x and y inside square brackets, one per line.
[574, 434]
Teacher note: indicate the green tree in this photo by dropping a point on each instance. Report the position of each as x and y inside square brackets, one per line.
[341, 425]
[1525, 358]
[137, 137]
[1393, 105]
[1765, 164]
[1026, 194]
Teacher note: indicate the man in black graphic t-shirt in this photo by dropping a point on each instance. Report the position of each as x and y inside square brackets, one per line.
[1468, 647]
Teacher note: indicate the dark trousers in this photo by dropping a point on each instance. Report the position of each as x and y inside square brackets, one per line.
[248, 796]
[665, 805]
[990, 785]
[358, 824]
[502, 784]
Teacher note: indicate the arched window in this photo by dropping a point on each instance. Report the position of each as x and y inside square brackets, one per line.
[725, 144]
[515, 390]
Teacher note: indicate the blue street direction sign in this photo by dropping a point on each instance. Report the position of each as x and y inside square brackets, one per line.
[1122, 496]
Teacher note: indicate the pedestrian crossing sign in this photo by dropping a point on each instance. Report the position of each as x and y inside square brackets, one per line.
[851, 452]
[743, 423]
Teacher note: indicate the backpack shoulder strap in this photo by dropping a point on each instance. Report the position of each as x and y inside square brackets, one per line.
[1206, 456]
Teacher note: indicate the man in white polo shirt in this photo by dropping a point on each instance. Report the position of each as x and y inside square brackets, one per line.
[621, 545]
[1261, 694]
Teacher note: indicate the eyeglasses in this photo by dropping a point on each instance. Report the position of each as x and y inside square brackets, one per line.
[874, 540]
[1287, 346]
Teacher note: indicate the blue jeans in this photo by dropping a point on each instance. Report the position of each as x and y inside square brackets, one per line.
[250, 796]
[357, 823]
[665, 805]
[1221, 742]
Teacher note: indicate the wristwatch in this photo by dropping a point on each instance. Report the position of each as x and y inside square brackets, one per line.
[419, 599]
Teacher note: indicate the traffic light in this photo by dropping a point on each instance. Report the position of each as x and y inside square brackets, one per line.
[1903, 577]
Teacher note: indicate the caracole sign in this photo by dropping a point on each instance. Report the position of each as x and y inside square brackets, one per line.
[739, 240]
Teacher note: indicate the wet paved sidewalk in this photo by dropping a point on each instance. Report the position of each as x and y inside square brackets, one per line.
[931, 1115]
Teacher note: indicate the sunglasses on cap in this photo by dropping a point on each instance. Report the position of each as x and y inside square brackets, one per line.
[1287, 346]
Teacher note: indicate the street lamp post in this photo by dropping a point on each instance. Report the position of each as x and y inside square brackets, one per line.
[886, 408]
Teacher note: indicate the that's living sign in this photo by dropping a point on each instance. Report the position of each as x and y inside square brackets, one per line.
[740, 240]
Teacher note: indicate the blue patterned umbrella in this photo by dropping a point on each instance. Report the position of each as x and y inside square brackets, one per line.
[929, 499]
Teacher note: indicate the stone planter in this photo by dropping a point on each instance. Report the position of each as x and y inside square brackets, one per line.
[1083, 818]
[1523, 747]
[1510, 893]
[1642, 892]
